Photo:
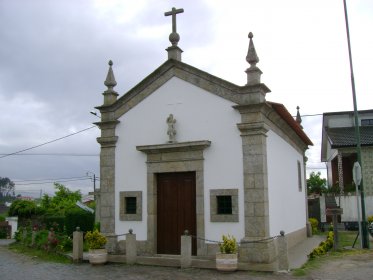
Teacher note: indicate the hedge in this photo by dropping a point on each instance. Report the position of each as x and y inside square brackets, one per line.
[76, 217]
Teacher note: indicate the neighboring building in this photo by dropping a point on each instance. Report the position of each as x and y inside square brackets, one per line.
[185, 150]
[338, 147]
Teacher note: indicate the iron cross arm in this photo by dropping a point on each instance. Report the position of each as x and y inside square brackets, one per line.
[173, 13]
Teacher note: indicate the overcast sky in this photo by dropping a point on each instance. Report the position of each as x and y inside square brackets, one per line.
[54, 55]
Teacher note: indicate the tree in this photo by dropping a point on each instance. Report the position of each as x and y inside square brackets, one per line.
[22, 208]
[6, 188]
[62, 200]
[316, 184]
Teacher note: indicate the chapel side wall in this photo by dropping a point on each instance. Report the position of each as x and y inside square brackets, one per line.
[287, 209]
[199, 116]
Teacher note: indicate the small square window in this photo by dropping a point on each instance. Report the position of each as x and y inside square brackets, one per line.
[131, 205]
[224, 204]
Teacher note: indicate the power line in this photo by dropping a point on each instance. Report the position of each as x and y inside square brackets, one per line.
[50, 182]
[58, 154]
[49, 142]
[55, 179]
[68, 154]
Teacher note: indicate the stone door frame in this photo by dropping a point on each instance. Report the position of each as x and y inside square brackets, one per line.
[168, 158]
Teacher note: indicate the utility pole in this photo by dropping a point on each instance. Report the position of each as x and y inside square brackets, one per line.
[94, 186]
[365, 238]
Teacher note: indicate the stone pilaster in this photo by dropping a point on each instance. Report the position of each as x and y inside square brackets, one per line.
[254, 148]
[107, 179]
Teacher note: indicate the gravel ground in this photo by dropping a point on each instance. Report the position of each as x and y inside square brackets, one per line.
[15, 266]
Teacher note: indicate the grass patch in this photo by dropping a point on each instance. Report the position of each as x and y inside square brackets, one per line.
[346, 239]
[40, 254]
[319, 261]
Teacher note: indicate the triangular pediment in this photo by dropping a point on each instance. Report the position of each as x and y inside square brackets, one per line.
[173, 68]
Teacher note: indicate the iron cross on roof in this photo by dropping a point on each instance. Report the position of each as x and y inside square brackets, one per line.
[174, 36]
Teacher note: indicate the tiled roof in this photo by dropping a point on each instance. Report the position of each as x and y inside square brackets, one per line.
[286, 116]
[345, 136]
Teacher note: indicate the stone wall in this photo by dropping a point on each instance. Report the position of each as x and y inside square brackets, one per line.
[367, 167]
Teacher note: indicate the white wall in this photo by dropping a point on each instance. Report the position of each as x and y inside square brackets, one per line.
[349, 206]
[13, 221]
[200, 116]
[287, 208]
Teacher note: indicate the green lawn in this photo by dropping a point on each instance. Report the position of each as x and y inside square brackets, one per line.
[346, 240]
[40, 254]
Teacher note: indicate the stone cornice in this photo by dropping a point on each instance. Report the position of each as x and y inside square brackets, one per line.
[107, 142]
[253, 128]
[174, 147]
[107, 124]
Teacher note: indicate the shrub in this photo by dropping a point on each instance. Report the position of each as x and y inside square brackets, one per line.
[2, 218]
[65, 244]
[314, 224]
[95, 239]
[3, 233]
[370, 219]
[41, 239]
[55, 222]
[23, 235]
[22, 208]
[323, 247]
[229, 245]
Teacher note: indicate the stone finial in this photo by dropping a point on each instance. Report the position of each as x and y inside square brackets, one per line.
[110, 95]
[252, 58]
[253, 72]
[110, 79]
[174, 52]
[298, 119]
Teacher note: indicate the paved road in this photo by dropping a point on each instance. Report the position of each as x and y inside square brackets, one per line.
[15, 266]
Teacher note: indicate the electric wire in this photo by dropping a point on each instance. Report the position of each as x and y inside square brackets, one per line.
[46, 143]
[58, 181]
[70, 154]
[55, 179]
[57, 155]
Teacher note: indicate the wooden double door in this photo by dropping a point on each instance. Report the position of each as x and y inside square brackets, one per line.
[176, 210]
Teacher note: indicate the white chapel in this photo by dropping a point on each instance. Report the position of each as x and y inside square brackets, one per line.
[186, 150]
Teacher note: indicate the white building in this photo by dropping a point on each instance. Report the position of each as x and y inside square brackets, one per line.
[185, 150]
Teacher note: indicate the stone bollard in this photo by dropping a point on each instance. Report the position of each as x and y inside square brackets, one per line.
[335, 212]
[282, 246]
[33, 236]
[77, 246]
[131, 248]
[186, 250]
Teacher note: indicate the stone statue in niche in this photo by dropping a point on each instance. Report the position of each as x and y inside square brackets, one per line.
[171, 131]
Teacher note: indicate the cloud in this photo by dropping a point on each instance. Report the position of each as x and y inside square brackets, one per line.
[54, 57]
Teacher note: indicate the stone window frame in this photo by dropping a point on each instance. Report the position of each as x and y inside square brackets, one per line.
[122, 206]
[223, 218]
[299, 166]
